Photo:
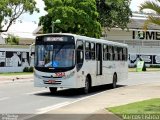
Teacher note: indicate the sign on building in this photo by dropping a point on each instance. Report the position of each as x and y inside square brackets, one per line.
[15, 59]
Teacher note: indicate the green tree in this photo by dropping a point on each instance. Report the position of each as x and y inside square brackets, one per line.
[12, 40]
[154, 6]
[77, 16]
[10, 10]
[114, 13]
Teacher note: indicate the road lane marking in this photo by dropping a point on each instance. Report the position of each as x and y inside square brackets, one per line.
[35, 92]
[53, 107]
[4, 98]
[59, 105]
[86, 97]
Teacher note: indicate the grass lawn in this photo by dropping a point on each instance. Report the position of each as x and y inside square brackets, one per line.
[16, 73]
[140, 110]
[147, 69]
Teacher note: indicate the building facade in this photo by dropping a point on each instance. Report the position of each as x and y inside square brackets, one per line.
[142, 43]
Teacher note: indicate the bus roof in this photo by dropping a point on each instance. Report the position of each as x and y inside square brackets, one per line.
[87, 38]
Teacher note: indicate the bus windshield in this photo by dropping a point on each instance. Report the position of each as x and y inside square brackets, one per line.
[55, 56]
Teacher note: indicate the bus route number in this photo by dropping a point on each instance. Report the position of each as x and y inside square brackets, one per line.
[61, 74]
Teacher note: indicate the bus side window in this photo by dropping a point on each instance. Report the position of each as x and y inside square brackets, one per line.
[105, 52]
[93, 51]
[115, 53]
[125, 54]
[80, 56]
[87, 50]
[110, 53]
[120, 56]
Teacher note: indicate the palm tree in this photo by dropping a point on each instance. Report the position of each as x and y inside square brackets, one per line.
[155, 7]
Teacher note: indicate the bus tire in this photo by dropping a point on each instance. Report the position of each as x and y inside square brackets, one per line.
[114, 84]
[86, 88]
[53, 89]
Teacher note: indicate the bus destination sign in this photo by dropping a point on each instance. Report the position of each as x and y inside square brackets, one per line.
[53, 38]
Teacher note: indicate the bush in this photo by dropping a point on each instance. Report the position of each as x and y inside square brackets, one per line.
[154, 66]
[25, 69]
[132, 66]
[12, 40]
[28, 69]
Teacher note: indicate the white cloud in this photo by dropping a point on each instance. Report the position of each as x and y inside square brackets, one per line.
[40, 5]
[28, 26]
[35, 16]
[135, 4]
[23, 30]
[29, 22]
[25, 27]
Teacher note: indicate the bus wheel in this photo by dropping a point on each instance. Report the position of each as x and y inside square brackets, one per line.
[87, 86]
[114, 84]
[53, 89]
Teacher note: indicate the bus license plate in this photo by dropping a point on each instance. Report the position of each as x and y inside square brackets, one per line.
[49, 81]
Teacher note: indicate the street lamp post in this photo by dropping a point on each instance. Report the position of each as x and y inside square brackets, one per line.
[54, 22]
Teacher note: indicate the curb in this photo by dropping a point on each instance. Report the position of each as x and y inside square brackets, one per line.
[6, 79]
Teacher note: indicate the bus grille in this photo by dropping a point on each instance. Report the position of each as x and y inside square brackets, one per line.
[52, 82]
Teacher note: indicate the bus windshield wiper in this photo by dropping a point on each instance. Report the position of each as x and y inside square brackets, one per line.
[57, 52]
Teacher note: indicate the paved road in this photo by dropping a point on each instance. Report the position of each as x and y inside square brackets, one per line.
[21, 97]
[135, 78]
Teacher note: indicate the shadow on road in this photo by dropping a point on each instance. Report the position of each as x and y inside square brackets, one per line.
[76, 93]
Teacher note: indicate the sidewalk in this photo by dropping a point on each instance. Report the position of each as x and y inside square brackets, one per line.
[94, 107]
[15, 78]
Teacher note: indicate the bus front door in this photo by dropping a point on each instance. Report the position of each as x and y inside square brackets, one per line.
[99, 58]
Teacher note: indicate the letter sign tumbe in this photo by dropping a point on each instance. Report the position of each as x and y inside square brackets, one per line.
[141, 35]
[157, 35]
[150, 35]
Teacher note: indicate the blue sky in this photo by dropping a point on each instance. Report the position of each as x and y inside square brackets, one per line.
[30, 20]
[26, 28]
[35, 16]
[40, 4]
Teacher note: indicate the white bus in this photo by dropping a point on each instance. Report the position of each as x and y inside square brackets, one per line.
[72, 61]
